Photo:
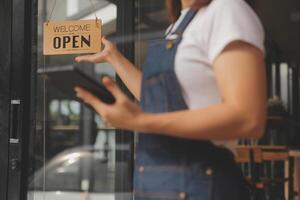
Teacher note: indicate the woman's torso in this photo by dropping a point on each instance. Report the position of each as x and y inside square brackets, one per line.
[214, 26]
[175, 168]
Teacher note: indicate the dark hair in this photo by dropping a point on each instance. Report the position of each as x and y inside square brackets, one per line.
[174, 7]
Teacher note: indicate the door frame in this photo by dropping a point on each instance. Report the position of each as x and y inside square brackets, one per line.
[17, 65]
[125, 28]
[5, 64]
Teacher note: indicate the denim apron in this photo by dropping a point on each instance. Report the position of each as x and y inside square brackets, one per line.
[168, 168]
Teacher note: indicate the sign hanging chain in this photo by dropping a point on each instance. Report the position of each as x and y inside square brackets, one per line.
[51, 12]
[54, 5]
[94, 9]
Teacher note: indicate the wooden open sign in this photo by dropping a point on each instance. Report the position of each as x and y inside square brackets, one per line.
[72, 37]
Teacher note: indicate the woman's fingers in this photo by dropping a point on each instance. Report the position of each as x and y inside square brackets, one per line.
[105, 41]
[100, 56]
[86, 58]
[112, 87]
[89, 58]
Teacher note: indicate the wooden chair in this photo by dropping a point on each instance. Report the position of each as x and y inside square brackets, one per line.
[254, 157]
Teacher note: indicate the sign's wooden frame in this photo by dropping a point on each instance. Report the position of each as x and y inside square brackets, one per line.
[72, 37]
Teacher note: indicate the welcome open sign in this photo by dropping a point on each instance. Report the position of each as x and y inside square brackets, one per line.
[72, 37]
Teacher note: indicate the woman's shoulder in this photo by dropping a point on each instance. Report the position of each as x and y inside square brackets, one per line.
[227, 3]
[235, 7]
[227, 13]
[230, 13]
[233, 20]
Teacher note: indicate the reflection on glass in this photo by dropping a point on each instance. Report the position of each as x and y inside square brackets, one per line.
[73, 153]
[63, 173]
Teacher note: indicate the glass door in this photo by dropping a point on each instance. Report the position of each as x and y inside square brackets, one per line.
[73, 154]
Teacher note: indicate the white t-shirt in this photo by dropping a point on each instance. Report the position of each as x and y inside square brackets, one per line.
[212, 29]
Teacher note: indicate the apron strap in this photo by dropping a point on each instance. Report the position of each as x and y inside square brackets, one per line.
[186, 21]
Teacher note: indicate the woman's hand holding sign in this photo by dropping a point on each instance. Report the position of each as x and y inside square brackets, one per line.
[123, 114]
[109, 52]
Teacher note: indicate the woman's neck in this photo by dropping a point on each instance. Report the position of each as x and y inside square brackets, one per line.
[186, 3]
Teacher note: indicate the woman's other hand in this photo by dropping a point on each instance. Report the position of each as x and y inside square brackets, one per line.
[109, 51]
[123, 114]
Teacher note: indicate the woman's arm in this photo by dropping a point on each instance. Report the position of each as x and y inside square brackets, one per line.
[129, 74]
[240, 73]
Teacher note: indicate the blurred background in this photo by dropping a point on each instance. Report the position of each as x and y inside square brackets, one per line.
[65, 127]
[64, 151]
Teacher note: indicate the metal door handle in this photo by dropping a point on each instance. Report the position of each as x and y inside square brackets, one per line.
[14, 121]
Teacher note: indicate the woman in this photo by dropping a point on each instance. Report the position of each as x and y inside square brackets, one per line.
[202, 88]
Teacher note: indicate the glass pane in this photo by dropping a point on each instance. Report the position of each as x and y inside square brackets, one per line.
[151, 23]
[73, 152]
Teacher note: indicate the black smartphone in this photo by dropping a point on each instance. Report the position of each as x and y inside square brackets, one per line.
[66, 78]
